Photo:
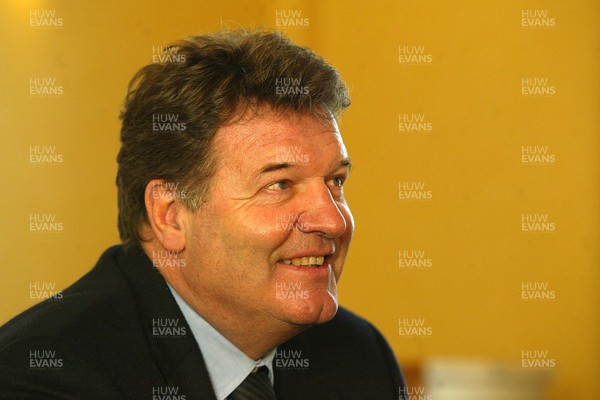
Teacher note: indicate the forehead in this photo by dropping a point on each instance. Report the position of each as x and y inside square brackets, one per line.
[260, 134]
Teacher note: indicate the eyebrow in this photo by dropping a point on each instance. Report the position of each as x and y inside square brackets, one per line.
[346, 162]
[275, 167]
[279, 166]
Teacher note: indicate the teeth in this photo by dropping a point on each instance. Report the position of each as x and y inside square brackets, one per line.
[305, 261]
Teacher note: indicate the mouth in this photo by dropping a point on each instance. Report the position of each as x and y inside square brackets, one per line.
[311, 261]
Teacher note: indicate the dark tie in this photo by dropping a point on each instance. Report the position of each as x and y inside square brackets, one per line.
[256, 386]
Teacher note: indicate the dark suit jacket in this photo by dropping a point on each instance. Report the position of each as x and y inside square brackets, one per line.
[100, 341]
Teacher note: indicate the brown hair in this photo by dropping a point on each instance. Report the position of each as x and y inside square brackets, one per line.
[175, 106]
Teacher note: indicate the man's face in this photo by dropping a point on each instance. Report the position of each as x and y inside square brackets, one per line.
[271, 240]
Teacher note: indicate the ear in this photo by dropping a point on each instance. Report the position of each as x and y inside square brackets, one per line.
[165, 214]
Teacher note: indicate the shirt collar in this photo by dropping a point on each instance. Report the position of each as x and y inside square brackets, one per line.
[227, 365]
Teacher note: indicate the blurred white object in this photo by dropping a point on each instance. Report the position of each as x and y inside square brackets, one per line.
[465, 379]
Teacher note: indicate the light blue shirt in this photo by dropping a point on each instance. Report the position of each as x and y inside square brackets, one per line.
[227, 365]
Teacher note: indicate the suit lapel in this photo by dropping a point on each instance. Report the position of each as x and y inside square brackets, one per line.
[169, 337]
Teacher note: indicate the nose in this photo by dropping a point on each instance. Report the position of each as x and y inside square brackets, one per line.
[321, 213]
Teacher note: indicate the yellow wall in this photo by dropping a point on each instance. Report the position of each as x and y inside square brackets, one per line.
[470, 160]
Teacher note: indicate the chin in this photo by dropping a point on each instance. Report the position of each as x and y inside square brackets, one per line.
[312, 311]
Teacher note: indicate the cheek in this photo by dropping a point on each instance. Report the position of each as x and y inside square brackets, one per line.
[260, 228]
[242, 235]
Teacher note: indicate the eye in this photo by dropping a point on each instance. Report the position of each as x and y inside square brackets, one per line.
[338, 181]
[279, 185]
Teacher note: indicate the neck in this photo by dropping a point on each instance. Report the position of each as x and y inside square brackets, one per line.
[255, 335]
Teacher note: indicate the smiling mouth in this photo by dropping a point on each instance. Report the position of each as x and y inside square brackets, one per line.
[304, 261]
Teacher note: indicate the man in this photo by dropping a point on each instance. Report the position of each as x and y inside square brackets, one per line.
[235, 229]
